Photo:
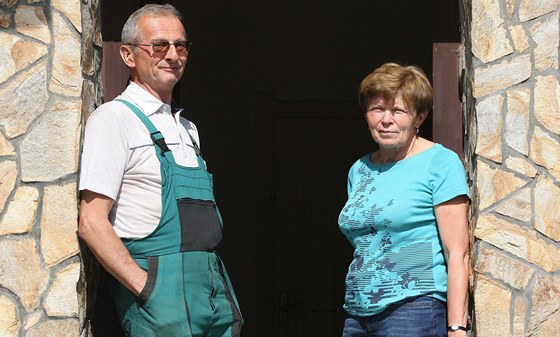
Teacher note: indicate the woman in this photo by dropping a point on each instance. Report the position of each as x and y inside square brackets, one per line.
[406, 217]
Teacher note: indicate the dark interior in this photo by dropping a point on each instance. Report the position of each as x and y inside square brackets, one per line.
[272, 88]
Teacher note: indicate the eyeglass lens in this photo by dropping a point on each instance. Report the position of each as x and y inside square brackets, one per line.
[180, 46]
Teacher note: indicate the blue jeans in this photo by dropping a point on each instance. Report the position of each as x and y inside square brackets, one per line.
[422, 317]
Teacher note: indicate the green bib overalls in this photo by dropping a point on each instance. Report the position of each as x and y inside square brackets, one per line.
[188, 292]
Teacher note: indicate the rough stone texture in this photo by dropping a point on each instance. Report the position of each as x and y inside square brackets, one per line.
[19, 260]
[493, 185]
[5, 19]
[545, 151]
[546, 306]
[519, 37]
[63, 328]
[22, 100]
[519, 318]
[502, 75]
[517, 120]
[55, 137]
[8, 175]
[518, 206]
[58, 223]
[6, 148]
[32, 319]
[21, 212]
[71, 9]
[61, 299]
[502, 267]
[66, 71]
[545, 36]
[510, 5]
[31, 21]
[489, 37]
[521, 165]
[489, 296]
[489, 141]
[8, 3]
[530, 9]
[17, 54]
[547, 208]
[518, 241]
[547, 102]
[9, 317]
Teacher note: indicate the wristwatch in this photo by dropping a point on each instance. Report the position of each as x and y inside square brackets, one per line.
[457, 328]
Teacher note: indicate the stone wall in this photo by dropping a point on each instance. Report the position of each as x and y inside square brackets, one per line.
[515, 145]
[49, 69]
[49, 82]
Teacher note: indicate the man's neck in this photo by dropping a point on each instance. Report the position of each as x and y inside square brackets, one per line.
[162, 95]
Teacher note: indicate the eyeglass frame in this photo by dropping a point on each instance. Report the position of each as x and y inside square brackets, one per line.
[167, 44]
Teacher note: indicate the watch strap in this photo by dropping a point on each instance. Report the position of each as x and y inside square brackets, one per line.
[457, 328]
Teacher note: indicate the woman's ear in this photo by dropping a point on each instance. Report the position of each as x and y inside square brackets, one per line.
[127, 55]
[421, 118]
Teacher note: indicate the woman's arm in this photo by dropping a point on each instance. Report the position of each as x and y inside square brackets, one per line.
[453, 228]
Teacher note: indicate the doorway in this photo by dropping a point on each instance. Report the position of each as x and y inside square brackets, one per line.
[280, 160]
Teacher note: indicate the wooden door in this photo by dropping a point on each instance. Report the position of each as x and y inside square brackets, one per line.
[305, 152]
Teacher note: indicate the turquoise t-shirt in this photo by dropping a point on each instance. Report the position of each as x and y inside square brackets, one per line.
[389, 218]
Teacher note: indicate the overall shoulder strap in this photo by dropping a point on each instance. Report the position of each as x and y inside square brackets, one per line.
[155, 135]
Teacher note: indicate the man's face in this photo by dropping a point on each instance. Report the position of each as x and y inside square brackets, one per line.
[158, 72]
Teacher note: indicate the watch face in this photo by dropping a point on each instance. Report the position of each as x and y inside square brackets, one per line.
[457, 328]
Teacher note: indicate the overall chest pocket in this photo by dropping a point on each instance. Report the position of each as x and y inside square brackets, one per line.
[201, 228]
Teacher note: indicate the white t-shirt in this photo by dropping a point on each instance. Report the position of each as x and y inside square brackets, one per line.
[119, 159]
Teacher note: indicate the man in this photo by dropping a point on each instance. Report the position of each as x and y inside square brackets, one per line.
[147, 209]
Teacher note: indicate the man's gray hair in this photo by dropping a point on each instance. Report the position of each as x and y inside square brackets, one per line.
[131, 33]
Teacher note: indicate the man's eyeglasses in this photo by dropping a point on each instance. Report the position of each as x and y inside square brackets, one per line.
[181, 47]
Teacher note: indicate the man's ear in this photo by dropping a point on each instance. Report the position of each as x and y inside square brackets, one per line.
[127, 56]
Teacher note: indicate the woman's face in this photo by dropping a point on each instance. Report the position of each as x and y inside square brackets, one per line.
[392, 123]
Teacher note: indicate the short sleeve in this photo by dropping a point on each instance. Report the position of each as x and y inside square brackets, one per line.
[447, 177]
[105, 152]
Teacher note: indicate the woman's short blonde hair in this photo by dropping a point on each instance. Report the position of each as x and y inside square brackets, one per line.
[389, 78]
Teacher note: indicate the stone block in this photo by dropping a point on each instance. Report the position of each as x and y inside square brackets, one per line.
[518, 241]
[493, 184]
[31, 21]
[9, 320]
[492, 303]
[518, 206]
[59, 223]
[489, 37]
[54, 140]
[545, 310]
[8, 176]
[517, 120]
[16, 54]
[503, 75]
[547, 208]
[519, 37]
[66, 78]
[545, 151]
[546, 35]
[22, 99]
[547, 102]
[63, 328]
[18, 261]
[71, 9]
[6, 148]
[530, 9]
[499, 266]
[489, 128]
[62, 299]
[21, 212]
